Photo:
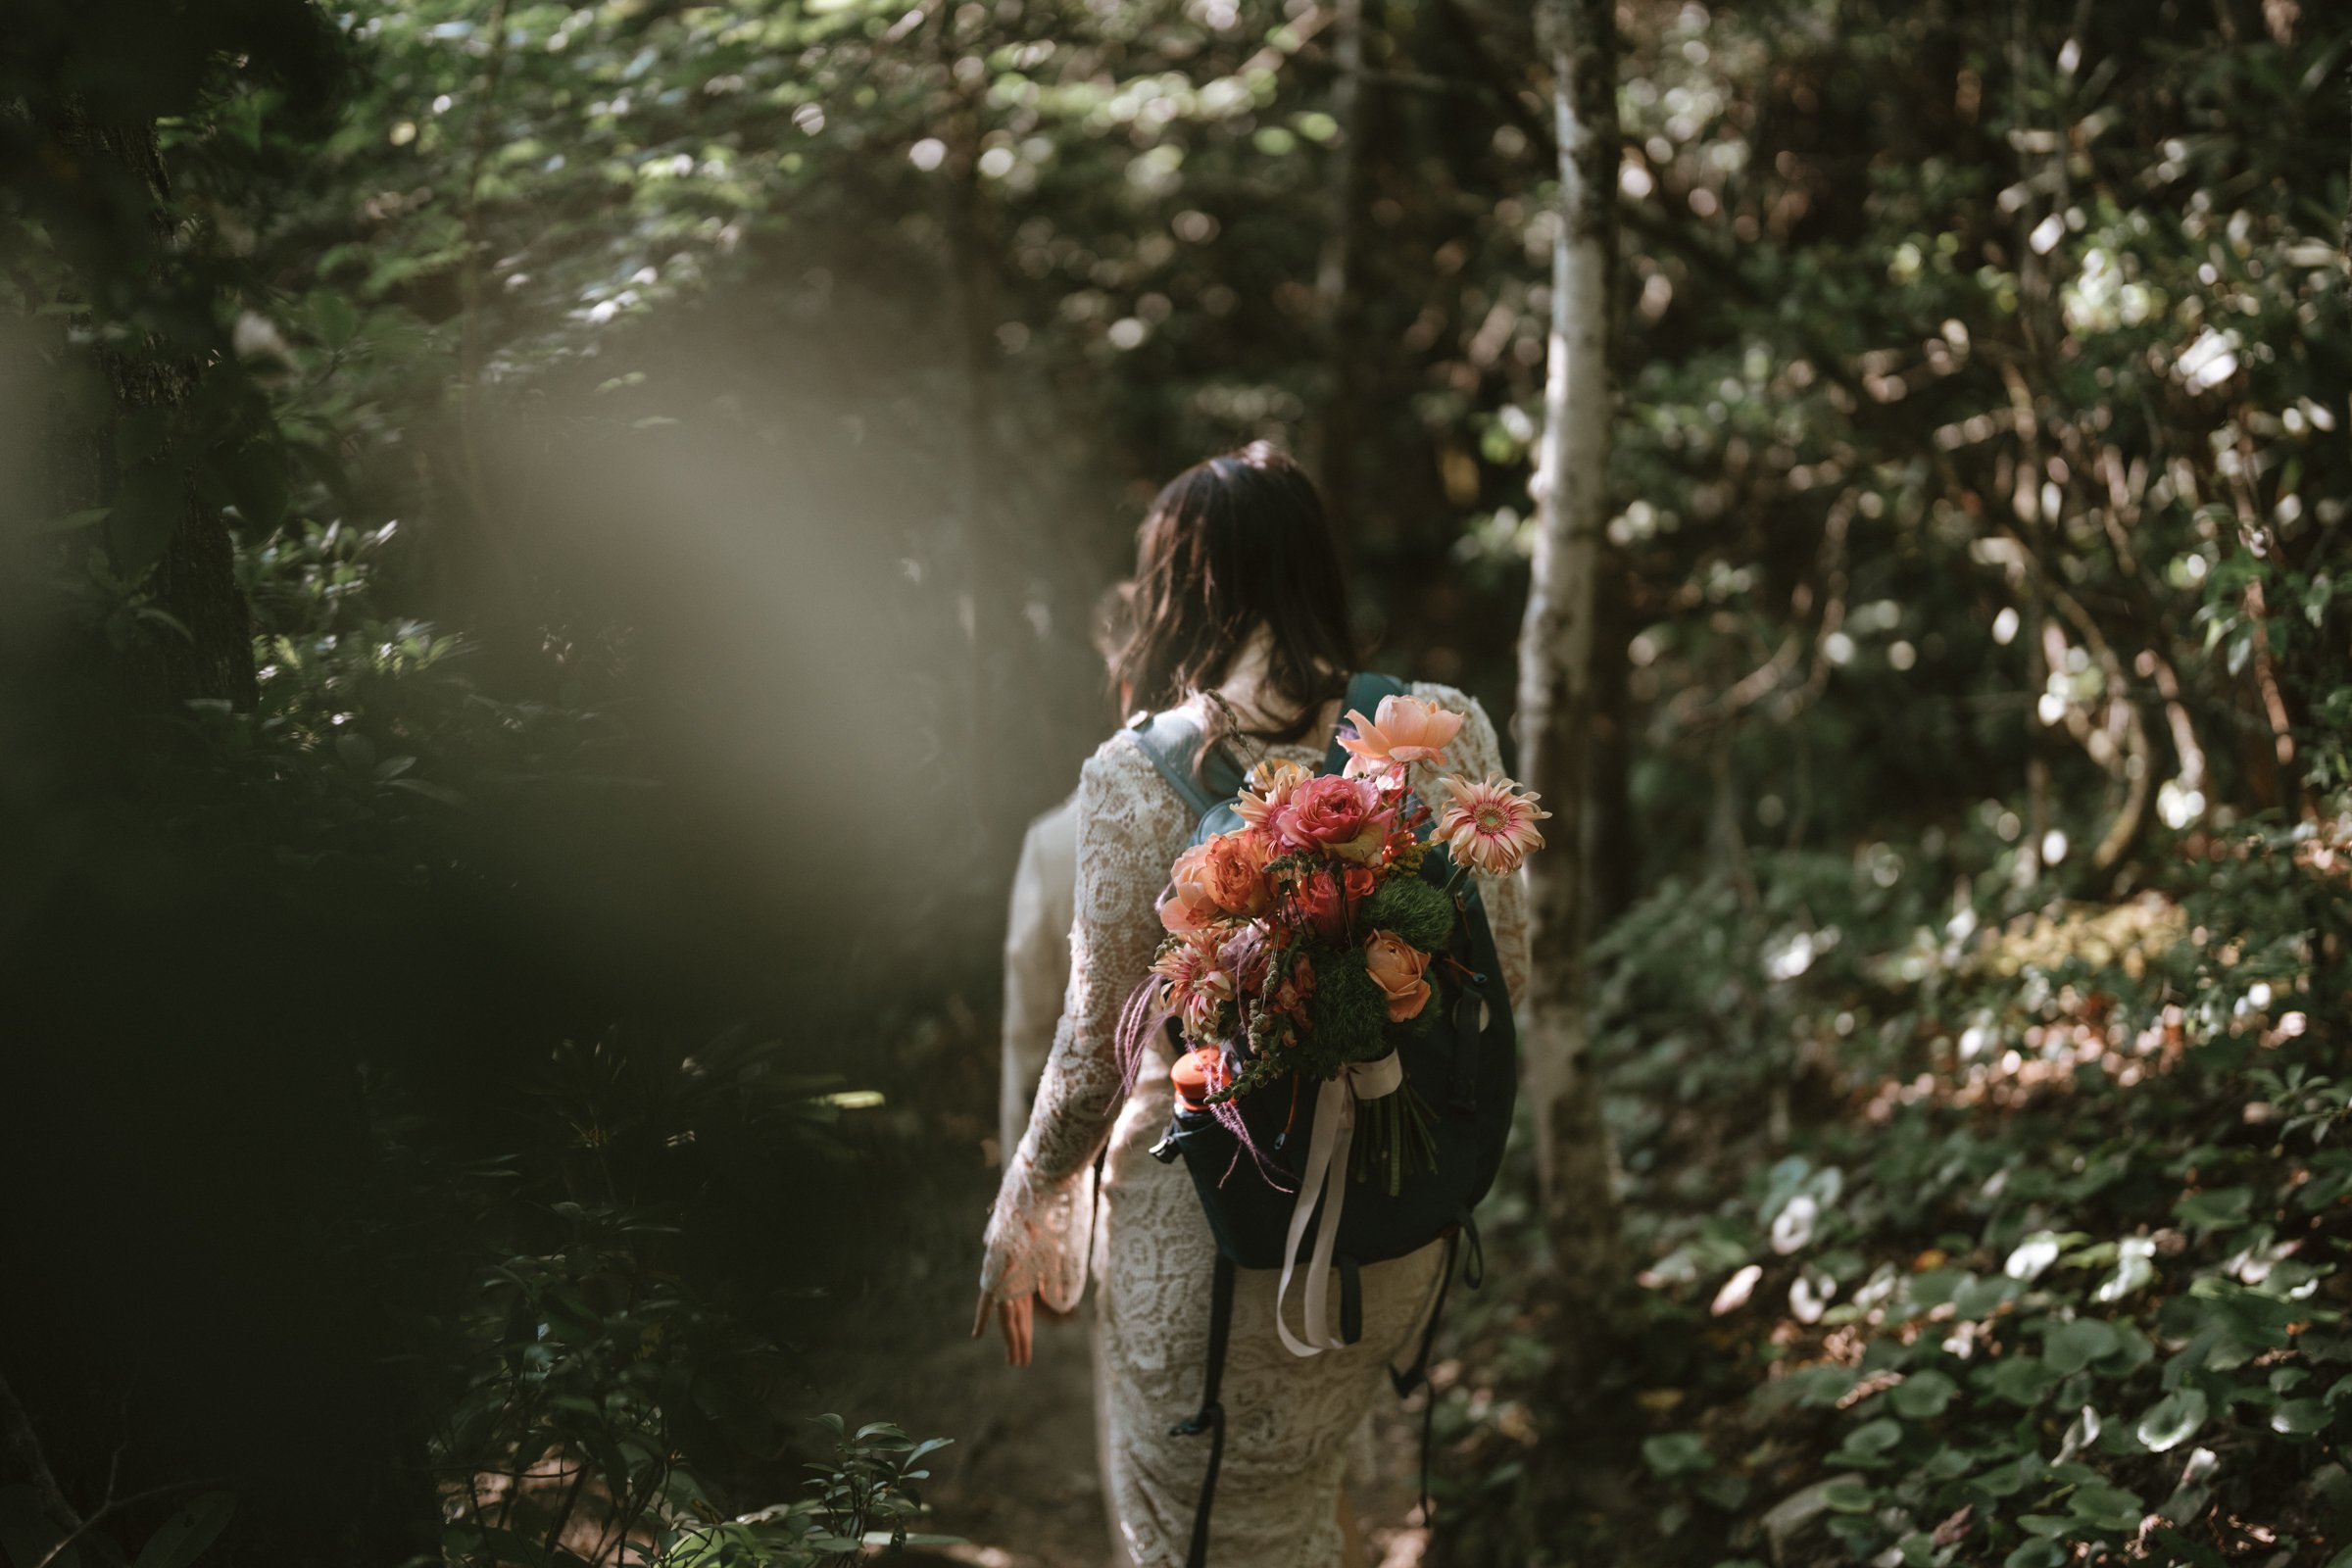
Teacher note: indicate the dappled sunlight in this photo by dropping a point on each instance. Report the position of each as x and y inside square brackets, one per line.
[553, 554]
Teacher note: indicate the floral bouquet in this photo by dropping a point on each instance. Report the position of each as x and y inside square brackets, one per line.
[1297, 939]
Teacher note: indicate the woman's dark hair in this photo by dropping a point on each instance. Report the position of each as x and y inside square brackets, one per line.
[1230, 545]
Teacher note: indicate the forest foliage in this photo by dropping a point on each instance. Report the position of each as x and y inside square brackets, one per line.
[494, 1007]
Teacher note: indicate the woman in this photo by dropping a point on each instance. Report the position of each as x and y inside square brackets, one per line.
[1239, 613]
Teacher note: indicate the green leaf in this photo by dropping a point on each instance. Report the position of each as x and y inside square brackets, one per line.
[2003, 1480]
[2109, 1507]
[1868, 1444]
[2172, 1420]
[2214, 1209]
[181, 1539]
[2299, 1418]
[2036, 1554]
[2021, 1379]
[1675, 1453]
[2072, 1347]
[1849, 1496]
[1922, 1394]
[1978, 1297]
[333, 317]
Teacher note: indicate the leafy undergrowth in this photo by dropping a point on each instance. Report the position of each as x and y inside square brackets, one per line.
[1959, 1242]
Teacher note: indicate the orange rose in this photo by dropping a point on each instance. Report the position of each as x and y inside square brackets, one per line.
[1396, 968]
[1237, 871]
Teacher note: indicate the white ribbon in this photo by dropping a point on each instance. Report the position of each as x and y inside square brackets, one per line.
[1324, 1179]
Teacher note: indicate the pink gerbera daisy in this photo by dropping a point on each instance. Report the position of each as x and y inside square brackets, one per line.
[1490, 826]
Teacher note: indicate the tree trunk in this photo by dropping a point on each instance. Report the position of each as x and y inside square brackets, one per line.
[160, 536]
[1558, 697]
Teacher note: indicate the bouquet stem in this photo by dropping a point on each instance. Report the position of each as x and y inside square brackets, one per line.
[1393, 1139]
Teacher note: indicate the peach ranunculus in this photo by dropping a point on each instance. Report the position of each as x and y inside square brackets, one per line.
[1190, 902]
[1396, 968]
[1237, 871]
[1490, 826]
[1406, 729]
[1268, 789]
[1343, 816]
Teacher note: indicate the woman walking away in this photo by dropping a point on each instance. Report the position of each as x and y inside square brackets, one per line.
[1239, 624]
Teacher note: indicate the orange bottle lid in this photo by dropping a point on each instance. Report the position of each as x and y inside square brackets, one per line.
[1198, 1074]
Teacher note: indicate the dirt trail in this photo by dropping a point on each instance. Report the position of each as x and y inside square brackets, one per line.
[1020, 1485]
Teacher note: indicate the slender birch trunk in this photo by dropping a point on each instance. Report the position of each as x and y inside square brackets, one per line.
[1557, 693]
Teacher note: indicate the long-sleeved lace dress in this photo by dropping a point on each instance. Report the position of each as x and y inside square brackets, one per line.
[1287, 1420]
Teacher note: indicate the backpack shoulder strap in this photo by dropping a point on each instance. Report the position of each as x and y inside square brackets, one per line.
[1364, 692]
[1170, 741]
[1210, 1417]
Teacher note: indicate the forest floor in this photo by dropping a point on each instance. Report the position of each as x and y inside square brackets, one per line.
[1020, 1485]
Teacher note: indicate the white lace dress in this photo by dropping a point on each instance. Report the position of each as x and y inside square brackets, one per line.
[1288, 1420]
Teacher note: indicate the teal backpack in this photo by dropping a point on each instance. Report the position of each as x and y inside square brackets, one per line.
[1460, 1055]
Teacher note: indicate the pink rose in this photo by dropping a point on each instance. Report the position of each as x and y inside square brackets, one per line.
[1268, 789]
[1396, 968]
[1343, 816]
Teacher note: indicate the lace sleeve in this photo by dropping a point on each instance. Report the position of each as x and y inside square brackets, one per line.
[1037, 963]
[1477, 752]
[1130, 828]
